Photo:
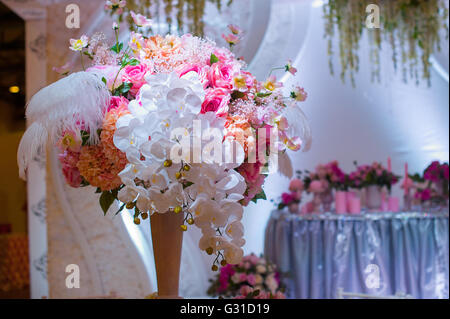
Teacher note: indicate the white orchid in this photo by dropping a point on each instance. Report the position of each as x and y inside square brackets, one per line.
[232, 253]
[235, 230]
[172, 197]
[158, 137]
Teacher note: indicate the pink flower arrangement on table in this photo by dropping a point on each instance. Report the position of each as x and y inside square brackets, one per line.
[375, 174]
[324, 178]
[292, 198]
[117, 123]
[253, 277]
[433, 186]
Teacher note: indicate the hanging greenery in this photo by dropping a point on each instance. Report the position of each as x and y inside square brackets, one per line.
[179, 15]
[412, 27]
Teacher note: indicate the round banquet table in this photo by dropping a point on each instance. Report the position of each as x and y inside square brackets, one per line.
[378, 254]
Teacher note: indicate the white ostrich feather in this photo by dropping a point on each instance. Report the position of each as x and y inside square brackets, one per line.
[81, 97]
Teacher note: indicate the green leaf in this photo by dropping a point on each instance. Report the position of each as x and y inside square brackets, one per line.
[261, 94]
[237, 95]
[261, 195]
[104, 80]
[84, 137]
[98, 190]
[133, 62]
[106, 200]
[88, 54]
[117, 47]
[213, 59]
[187, 184]
[125, 87]
[84, 182]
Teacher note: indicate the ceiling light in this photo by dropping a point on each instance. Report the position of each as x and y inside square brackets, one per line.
[14, 89]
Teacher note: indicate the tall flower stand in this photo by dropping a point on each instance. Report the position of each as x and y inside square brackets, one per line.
[167, 238]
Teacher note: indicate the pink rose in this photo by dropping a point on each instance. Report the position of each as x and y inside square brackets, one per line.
[109, 72]
[203, 73]
[296, 185]
[316, 186]
[216, 100]
[70, 171]
[224, 55]
[221, 75]
[287, 198]
[250, 171]
[135, 74]
[251, 279]
[425, 194]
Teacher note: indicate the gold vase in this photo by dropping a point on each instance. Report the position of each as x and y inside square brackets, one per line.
[167, 238]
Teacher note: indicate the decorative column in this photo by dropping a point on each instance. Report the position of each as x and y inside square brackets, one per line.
[36, 78]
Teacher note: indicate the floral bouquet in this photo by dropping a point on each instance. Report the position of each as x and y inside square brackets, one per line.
[168, 125]
[433, 186]
[325, 177]
[292, 198]
[375, 174]
[252, 277]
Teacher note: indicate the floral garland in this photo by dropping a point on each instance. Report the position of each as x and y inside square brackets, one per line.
[412, 27]
[182, 15]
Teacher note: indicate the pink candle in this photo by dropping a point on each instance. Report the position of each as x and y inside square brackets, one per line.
[393, 204]
[389, 164]
[354, 206]
[406, 180]
[340, 203]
